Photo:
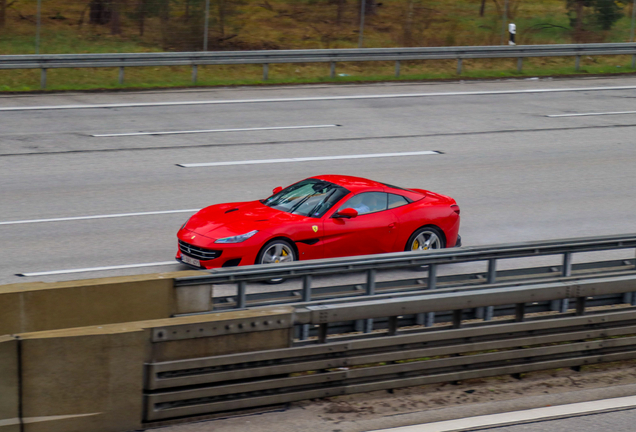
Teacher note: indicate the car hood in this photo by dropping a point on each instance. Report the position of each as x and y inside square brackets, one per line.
[226, 220]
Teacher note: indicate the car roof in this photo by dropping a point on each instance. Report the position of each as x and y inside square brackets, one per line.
[354, 184]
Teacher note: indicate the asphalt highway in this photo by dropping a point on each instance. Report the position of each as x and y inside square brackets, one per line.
[517, 174]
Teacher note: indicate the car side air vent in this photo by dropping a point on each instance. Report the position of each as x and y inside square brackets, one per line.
[262, 220]
[230, 210]
[309, 242]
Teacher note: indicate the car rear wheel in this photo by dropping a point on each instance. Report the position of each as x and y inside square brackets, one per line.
[277, 251]
[426, 238]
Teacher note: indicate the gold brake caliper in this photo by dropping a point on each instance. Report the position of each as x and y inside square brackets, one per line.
[283, 253]
[416, 244]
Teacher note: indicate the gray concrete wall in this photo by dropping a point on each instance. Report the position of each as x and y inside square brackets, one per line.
[41, 306]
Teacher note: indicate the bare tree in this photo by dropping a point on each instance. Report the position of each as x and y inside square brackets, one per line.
[115, 22]
[3, 13]
[340, 11]
[141, 16]
[408, 25]
[222, 12]
[369, 7]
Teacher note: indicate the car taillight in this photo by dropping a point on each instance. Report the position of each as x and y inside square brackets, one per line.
[455, 208]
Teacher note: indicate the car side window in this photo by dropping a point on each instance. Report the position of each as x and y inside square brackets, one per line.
[396, 201]
[367, 202]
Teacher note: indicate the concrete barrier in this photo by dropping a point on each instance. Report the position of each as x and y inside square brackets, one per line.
[91, 378]
[9, 382]
[38, 306]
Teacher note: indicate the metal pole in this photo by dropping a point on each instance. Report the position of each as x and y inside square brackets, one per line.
[631, 37]
[503, 24]
[206, 24]
[361, 37]
[37, 27]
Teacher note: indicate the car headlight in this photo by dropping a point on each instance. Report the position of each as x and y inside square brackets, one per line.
[238, 238]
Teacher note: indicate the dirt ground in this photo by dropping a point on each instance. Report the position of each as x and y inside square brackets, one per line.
[431, 403]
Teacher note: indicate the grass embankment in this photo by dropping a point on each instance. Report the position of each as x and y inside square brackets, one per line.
[297, 24]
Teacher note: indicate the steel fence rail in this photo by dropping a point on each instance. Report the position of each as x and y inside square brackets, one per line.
[333, 56]
[353, 363]
[490, 253]
[426, 261]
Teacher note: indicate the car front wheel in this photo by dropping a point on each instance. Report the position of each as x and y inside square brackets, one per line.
[277, 251]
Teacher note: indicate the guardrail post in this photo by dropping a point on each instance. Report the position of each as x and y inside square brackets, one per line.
[567, 264]
[519, 64]
[459, 66]
[307, 288]
[368, 325]
[43, 78]
[634, 61]
[565, 305]
[420, 318]
[520, 311]
[121, 75]
[580, 305]
[195, 72]
[492, 271]
[332, 70]
[265, 71]
[397, 68]
[322, 333]
[577, 63]
[371, 282]
[304, 332]
[432, 276]
[430, 319]
[631, 297]
[240, 295]
[432, 284]
[560, 305]
[490, 312]
[457, 318]
[392, 326]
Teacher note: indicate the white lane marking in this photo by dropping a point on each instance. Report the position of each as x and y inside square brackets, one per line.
[493, 420]
[98, 217]
[307, 159]
[93, 269]
[311, 99]
[591, 114]
[216, 130]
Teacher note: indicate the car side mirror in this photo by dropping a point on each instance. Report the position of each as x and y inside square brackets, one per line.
[276, 190]
[347, 213]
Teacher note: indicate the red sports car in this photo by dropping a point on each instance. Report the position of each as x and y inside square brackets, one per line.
[320, 217]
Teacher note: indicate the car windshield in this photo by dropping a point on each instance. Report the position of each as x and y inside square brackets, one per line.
[311, 197]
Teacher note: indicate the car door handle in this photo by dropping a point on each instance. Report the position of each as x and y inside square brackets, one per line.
[392, 225]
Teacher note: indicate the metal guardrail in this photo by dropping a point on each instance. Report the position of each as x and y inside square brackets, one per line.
[332, 56]
[371, 264]
[353, 363]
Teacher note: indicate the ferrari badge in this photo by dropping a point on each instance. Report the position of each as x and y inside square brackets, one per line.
[315, 228]
[192, 238]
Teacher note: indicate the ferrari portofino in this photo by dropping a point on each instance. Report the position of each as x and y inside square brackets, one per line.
[320, 217]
